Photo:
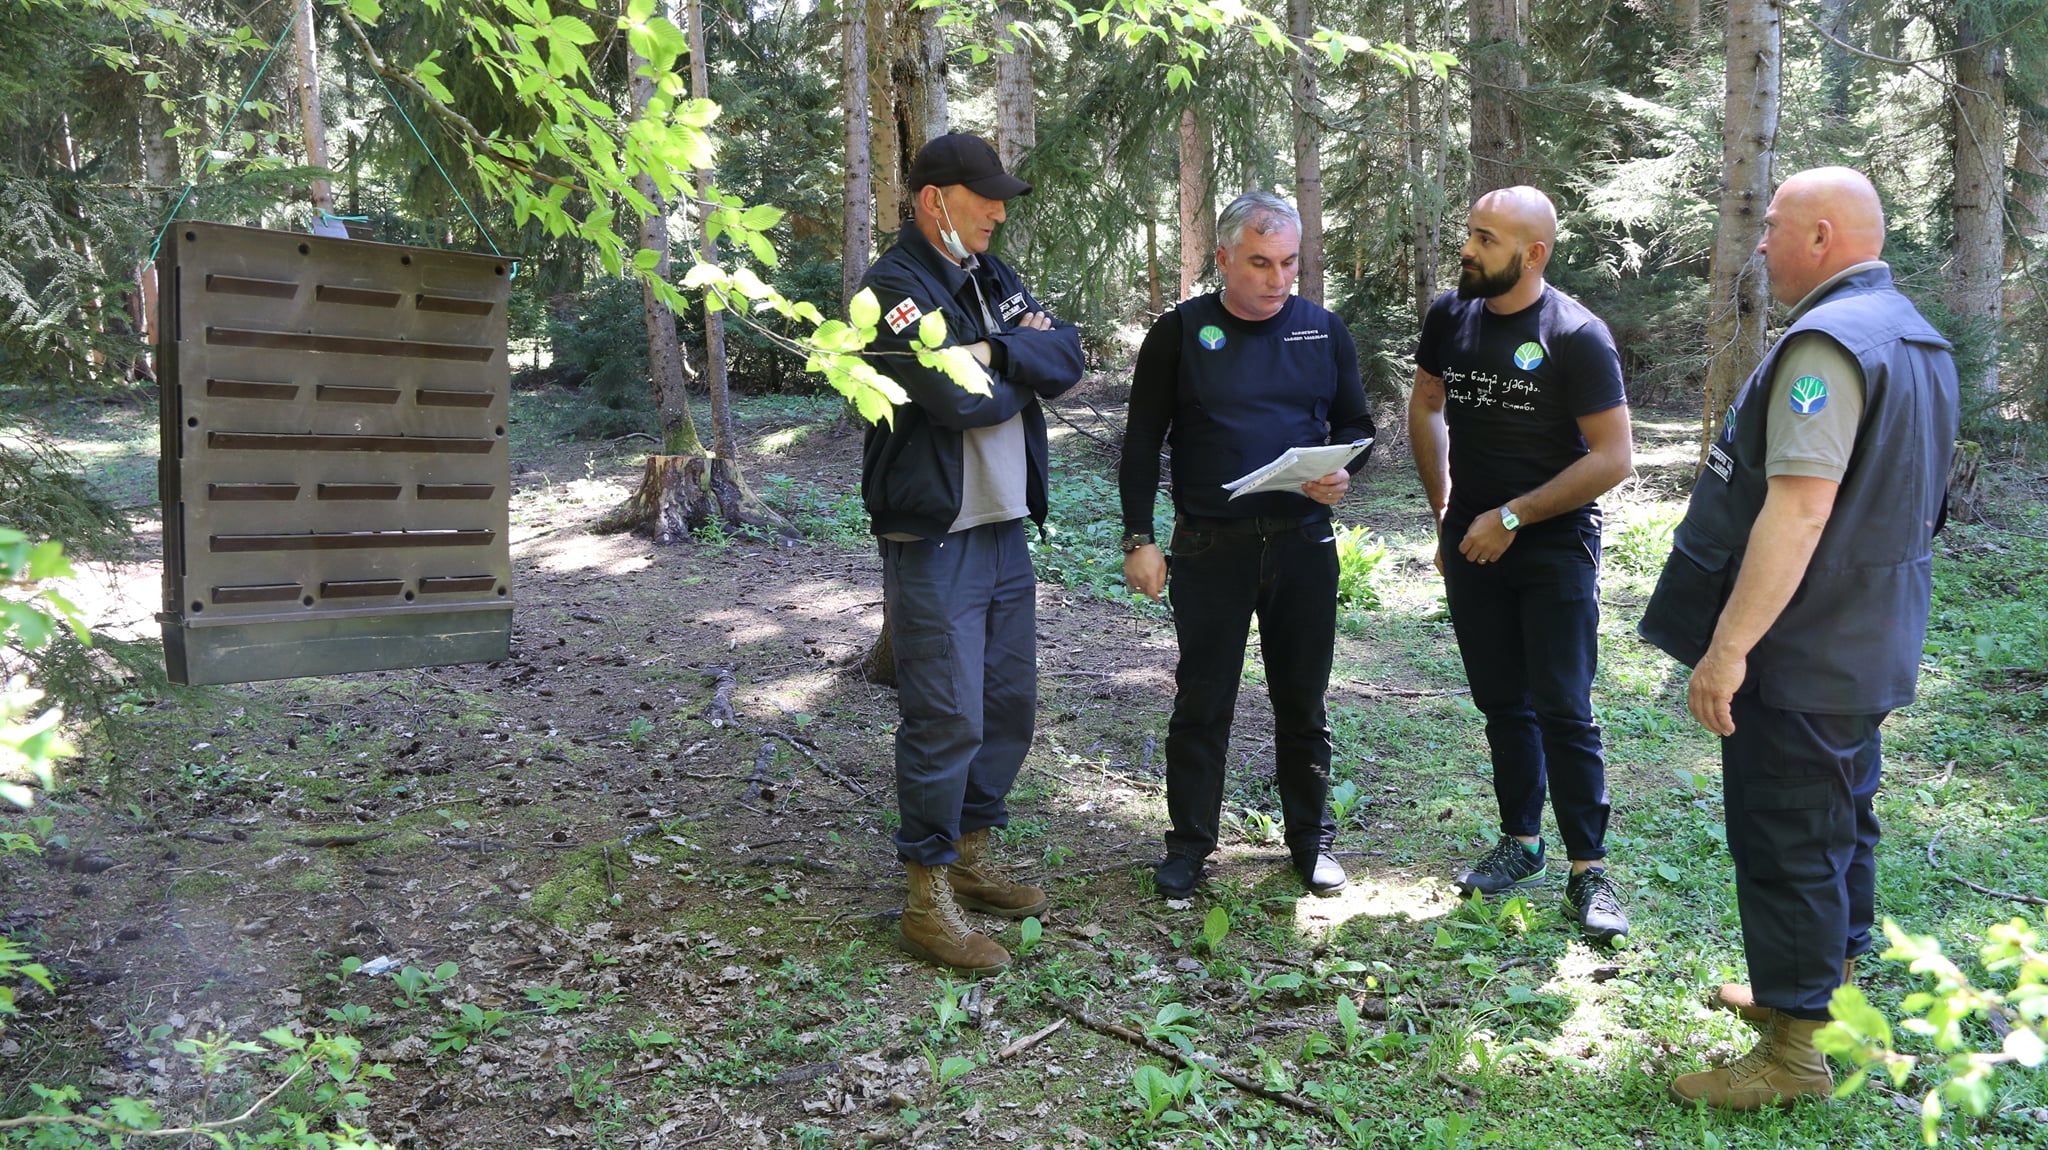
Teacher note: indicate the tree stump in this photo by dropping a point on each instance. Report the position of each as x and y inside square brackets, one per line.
[878, 665]
[680, 495]
[1962, 482]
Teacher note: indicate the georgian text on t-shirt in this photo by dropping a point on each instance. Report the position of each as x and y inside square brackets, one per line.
[1485, 389]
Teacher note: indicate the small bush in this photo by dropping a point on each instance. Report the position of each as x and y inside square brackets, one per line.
[1359, 556]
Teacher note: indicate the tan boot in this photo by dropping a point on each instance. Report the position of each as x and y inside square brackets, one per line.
[979, 884]
[933, 929]
[1780, 1069]
[1739, 998]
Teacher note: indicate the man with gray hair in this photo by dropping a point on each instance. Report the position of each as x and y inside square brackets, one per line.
[1228, 381]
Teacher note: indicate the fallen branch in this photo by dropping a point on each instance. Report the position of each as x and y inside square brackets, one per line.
[2027, 899]
[720, 712]
[116, 1128]
[818, 761]
[1030, 1040]
[337, 840]
[1465, 1088]
[804, 862]
[1374, 691]
[1202, 1063]
[759, 785]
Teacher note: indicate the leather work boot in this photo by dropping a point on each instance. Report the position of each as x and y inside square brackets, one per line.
[933, 929]
[979, 884]
[1780, 1069]
[1740, 999]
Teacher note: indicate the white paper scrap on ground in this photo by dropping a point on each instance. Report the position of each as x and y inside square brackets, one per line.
[1296, 466]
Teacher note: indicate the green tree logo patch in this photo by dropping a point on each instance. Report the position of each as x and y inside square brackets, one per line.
[1809, 394]
[1529, 356]
[1211, 336]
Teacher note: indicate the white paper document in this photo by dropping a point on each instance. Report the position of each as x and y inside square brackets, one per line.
[1296, 466]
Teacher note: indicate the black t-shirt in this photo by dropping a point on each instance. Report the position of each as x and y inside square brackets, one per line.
[1515, 387]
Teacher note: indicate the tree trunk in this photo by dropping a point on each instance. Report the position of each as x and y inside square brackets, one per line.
[1197, 206]
[664, 352]
[1308, 149]
[159, 175]
[1962, 482]
[1738, 301]
[737, 505]
[2030, 173]
[1498, 77]
[1153, 303]
[1978, 202]
[885, 126]
[928, 78]
[1016, 126]
[1424, 218]
[309, 107]
[1837, 63]
[859, 232]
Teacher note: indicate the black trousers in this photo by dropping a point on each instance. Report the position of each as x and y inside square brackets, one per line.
[1284, 571]
[1803, 833]
[1528, 627]
[963, 616]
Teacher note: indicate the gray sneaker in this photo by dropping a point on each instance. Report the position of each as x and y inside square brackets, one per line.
[1590, 898]
[1508, 866]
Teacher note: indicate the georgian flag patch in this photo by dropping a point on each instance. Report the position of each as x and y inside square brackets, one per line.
[903, 315]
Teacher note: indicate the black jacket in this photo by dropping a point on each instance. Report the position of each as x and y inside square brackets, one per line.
[910, 467]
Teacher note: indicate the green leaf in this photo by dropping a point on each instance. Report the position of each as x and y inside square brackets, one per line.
[863, 310]
[1215, 927]
[931, 332]
[646, 260]
[761, 217]
[954, 1067]
[366, 11]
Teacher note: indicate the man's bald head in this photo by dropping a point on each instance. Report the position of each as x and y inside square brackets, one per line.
[1508, 241]
[1822, 221]
[1524, 211]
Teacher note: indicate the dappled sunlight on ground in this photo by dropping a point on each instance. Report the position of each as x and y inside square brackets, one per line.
[620, 554]
[1389, 895]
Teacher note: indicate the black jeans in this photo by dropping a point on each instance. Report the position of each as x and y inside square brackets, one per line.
[963, 616]
[1803, 834]
[1528, 627]
[1224, 572]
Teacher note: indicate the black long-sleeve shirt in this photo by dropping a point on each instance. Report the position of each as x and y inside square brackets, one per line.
[1228, 396]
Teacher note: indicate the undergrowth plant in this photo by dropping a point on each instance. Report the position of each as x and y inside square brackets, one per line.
[1861, 1034]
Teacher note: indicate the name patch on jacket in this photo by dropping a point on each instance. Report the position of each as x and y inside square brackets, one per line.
[1719, 463]
[1011, 308]
[902, 315]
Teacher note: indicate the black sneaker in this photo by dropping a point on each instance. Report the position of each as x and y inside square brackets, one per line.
[1176, 877]
[1590, 898]
[1508, 866]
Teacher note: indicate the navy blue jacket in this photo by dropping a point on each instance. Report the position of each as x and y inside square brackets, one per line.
[1849, 641]
[911, 464]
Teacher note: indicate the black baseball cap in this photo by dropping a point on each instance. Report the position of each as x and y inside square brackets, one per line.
[960, 158]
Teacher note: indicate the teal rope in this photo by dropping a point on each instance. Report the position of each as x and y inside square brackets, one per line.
[445, 178]
[206, 160]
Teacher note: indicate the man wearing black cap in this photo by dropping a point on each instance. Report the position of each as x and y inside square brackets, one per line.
[948, 480]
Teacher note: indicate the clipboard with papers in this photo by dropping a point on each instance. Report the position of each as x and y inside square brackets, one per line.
[1296, 466]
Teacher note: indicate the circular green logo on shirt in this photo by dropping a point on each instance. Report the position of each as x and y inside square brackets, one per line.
[1809, 394]
[1211, 336]
[1529, 356]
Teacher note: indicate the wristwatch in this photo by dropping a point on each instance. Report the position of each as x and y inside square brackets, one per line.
[1134, 540]
[1509, 519]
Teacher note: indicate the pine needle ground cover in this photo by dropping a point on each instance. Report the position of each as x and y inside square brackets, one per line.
[567, 908]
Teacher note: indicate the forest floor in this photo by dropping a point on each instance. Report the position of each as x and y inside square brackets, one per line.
[668, 932]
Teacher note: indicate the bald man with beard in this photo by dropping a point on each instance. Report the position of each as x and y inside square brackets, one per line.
[1797, 590]
[1520, 421]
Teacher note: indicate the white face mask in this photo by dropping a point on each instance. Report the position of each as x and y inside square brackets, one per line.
[950, 235]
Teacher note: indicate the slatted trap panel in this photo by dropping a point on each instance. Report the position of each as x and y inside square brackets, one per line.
[334, 475]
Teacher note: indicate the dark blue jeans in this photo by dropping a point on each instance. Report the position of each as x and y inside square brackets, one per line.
[1528, 627]
[1803, 833]
[963, 616]
[1224, 572]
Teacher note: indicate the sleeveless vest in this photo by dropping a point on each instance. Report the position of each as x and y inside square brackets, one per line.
[1849, 641]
